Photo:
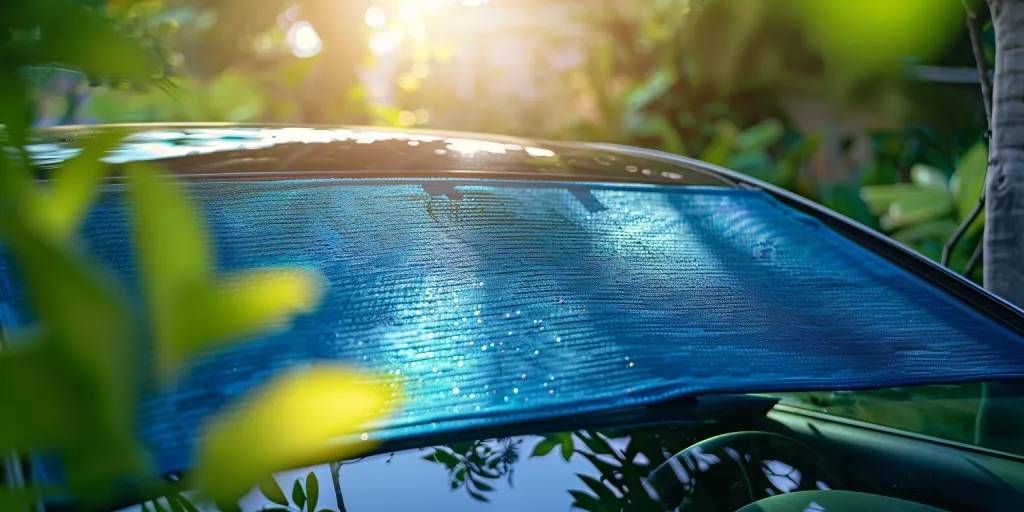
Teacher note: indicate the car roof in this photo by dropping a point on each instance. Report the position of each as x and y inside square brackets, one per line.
[213, 151]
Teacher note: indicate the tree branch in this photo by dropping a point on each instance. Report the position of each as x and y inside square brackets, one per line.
[947, 250]
[979, 59]
[986, 97]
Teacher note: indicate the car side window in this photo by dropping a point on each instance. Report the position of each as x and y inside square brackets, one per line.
[986, 415]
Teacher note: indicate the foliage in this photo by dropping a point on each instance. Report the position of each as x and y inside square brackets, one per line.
[75, 368]
[471, 465]
[924, 213]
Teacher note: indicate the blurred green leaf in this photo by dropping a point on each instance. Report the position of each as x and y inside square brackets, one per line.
[721, 147]
[967, 183]
[761, 136]
[185, 503]
[272, 491]
[245, 303]
[928, 177]
[656, 85]
[174, 258]
[61, 209]
[175, 504]
[312, 491]
[76, 37]
[86, 320]
[940, 229]
[298, 495]
[915, 208]
[16, 105]
[880, 197]
[41, 423]
[228, 463]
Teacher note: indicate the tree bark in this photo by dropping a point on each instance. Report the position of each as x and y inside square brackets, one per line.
[1000, 424]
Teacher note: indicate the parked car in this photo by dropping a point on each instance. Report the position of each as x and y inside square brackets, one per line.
[577, 325]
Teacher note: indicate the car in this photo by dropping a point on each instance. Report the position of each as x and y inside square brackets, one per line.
[576, 325]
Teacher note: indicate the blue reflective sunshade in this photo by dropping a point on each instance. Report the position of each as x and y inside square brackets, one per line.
[496, 302]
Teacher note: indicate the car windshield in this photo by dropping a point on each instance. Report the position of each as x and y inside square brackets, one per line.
[598, 330]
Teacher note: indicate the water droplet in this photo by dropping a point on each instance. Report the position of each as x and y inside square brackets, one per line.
[510, 333]
[524, 375]
[508, 315]
[515, 390]
[476, 313]
[483, 347]
[551, 391]
[558, 339]
[479, 321]
[430, 335]
[630, 365]
[506, 399]
[398, 372]
[459, 364]
[536, 352]
[455, 391]
[435, 369]
[364, 436]
[517, 311]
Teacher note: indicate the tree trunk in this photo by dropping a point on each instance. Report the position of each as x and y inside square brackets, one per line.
[1000, 424]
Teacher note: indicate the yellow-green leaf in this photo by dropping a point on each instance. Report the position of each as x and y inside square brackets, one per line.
[174, 256]
[301, 417]
[244, 304]
[60, 209]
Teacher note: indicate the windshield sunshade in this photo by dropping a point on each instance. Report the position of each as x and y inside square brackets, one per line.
[499, 302]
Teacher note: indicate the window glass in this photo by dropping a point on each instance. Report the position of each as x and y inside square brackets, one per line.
[949, 412]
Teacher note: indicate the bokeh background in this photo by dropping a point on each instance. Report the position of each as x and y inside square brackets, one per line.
[870, 107]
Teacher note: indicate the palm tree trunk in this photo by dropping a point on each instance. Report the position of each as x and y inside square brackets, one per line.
[999, 423]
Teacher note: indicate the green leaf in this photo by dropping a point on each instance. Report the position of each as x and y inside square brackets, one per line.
[176, 505]
[721, 147]
[940, 229]
[89, 329]
[272, 491]
[544, 447]
[602, 491]
[585, 501]
[761, 136]
[245, 303]
[967, 183]
[915, 208]
[189, 507]
[656, 85]
[189, 306]
[174, 258]
[460, 475]
[928, 177]
[159, 506]
[880, 197]
[567, 447]
[483, 486]
[477, 496]
[74, 188]
[298, 495]
[312, 491]
[597, 445]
